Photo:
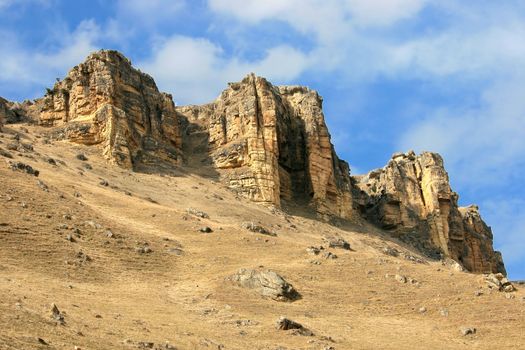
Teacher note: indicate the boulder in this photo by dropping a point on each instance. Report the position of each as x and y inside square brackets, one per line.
[267, 283]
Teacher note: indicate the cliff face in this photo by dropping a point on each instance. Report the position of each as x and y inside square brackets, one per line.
[268, 143]
[106, 101]
[412, 198]
[272, 144]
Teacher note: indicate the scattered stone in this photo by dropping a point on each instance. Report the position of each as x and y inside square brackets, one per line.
[176, 251]
[267, 283]
[478, 293]
[109, 234]
[93, 224]
[285, 324]
[390, 251]
[70, 238]
[42, 185]
[400, 278]
[145, 345]
[19, 166]
[198, 213]
[499, 282]
[82, 257]
[468, 331]
[314, 250]
[144, 250]
[103, 183]
[443, 312]
[338, 243]
[253, 227]
[67, 217]
[509, 296]
[56, 314]
[5, 154]
[422, 309]
[82, 157]
[50, 161]
[87, 166]
[77, 195]
[205, 229]
[329, 255]
[42, 341]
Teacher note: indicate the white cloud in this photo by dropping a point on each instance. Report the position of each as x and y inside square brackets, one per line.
[21, 66]
[196, 70]
[148, 12]
[482, 145]
[382, 12]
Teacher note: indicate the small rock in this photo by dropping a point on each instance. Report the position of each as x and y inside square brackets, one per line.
[205, 229]
[338, 243]
[42, 185]
[400, 278]
[103, 183]
[468, 331]
[285, 324]
[56, 314]
[24, 168]
[390, 251]
[70, 238]
[314, 250]
[143, 250]
[253, 227]
[82, 157]
[42, 341]
[422, 309]
[443, 312]
[198, 213]
[329, 255]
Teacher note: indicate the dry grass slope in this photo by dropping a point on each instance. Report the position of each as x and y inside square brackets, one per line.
[127, 266]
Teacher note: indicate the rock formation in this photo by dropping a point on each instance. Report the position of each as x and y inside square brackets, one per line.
[106, 101]
[272, 144]
[411, 197]
[268, 143]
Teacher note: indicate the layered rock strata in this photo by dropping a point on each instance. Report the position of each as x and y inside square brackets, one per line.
[106, 101]
[411, 197]
[271, 144]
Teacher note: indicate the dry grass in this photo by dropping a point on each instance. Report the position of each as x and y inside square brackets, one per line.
[121, 297]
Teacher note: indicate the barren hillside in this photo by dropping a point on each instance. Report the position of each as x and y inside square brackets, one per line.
[198, 229]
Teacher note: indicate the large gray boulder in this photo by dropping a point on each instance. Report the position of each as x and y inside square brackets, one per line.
[267, 283]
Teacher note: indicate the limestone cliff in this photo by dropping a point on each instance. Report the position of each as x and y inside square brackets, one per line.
[271, 144]
[411, 197]
[108, 102]
[268, 143]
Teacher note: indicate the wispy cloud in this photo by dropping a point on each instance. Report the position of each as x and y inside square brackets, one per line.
[196, 69]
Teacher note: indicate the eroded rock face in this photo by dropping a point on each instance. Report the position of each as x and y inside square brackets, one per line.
[106, 101]
[411, 196]
[271, 144]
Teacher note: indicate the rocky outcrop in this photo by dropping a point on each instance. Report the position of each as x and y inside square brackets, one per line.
[268, 143]
[105, 101]
[272, 144]
[412, 198]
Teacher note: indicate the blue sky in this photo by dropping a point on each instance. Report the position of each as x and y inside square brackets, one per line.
[440, 75]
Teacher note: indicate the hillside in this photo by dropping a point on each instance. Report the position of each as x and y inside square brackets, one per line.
[113, 230]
